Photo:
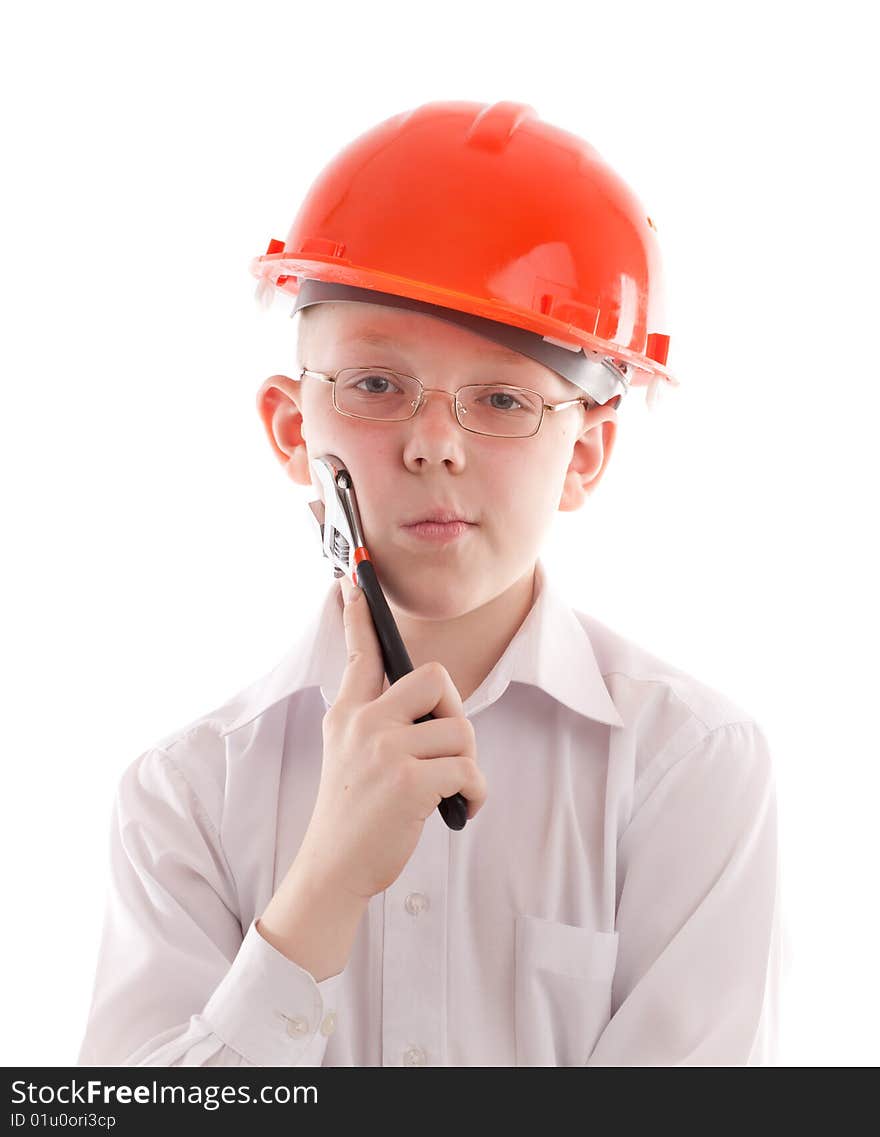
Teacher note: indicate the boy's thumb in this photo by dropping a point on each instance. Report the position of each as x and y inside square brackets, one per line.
[345, 587]
[364, 673]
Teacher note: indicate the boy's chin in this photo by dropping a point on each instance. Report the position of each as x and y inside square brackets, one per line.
[432, 599]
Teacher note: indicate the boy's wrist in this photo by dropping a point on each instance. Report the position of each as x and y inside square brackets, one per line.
[312, 920]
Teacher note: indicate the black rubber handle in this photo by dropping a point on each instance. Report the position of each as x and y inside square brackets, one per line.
[453, 809]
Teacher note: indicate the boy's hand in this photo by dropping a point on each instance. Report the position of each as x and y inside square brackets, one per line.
[383, 773]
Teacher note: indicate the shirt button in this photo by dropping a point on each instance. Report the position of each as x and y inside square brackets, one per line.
[414, 1056]
[329, 1024]
[415, 903]
[297, 1027]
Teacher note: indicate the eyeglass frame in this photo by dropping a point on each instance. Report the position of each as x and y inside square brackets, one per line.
[330, 377]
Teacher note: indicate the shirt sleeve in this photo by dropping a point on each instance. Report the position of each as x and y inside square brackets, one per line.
[699, 922]
[178, 982]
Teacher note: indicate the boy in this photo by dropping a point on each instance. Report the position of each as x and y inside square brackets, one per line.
[285, 891]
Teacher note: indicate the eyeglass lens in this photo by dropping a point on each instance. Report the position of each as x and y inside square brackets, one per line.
[377, 393]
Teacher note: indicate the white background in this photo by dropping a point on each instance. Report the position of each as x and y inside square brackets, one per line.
[158, 560]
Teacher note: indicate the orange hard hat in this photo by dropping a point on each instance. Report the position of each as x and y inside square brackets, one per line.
[488, 211]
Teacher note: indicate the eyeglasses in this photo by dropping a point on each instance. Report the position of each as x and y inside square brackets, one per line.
[495, 409]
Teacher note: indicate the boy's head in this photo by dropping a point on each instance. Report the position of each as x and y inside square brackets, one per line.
[508, 487]
[547, 268]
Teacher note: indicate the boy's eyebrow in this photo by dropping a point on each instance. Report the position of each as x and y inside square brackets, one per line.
[376, 338]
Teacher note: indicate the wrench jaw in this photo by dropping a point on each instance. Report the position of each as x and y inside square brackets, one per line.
[331, 519]
[319, 512]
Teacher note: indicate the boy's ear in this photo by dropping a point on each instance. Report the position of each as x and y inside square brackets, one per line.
[592, 452]
[279, 405]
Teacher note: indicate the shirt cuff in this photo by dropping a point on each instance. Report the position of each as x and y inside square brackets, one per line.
[271, 1010]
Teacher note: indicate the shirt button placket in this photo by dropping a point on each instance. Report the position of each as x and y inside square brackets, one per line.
[414, 963]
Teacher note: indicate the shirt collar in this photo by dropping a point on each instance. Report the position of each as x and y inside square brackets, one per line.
[551, 650]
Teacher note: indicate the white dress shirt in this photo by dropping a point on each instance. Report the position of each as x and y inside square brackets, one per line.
[614, 903]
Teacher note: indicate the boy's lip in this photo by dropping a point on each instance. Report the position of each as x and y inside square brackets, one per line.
[440, 516]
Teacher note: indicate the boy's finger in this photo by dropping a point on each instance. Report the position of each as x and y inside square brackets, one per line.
[364, 675]
[350, 590]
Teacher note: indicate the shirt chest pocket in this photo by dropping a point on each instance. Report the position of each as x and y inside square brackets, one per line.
[562, 984]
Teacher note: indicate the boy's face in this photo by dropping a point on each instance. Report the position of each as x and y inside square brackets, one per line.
[509, 487]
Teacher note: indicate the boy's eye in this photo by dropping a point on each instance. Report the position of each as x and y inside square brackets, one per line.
[357, 382]
[501, 400]
[374, 382]
[371, 392]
